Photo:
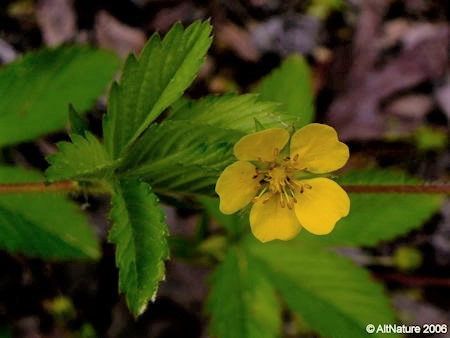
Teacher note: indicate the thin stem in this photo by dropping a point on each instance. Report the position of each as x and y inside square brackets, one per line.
[69, 186]
[412, 189]
[63, 186]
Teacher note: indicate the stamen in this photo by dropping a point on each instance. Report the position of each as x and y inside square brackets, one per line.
[255, 199]
[296, 157]
[287, 158]
[307, 186]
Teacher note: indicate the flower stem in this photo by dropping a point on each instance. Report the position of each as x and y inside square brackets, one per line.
[71, 186]
[43, 187]
[412, 189]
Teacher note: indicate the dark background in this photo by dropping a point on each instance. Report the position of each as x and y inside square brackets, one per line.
[381, 77]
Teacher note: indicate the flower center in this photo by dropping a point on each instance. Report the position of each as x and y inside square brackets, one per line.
[277, 179]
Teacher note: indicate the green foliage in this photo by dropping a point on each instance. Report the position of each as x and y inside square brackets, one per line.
[234, 112]
[42, 225]
[77, 123]
[180, 156]
[291, 86]
[407, 258]
[139, 232]
[82, 159]
[427, 138]
[323, 8]
[376, 217]
[332, 295]
[242, 301]
[153, 82]
[36, 89]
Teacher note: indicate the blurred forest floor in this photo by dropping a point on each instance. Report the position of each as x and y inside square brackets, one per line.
[381, 77]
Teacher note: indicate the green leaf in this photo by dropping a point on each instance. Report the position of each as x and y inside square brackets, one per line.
[231, 111]
[153, 82]
[43, 225]
[139, 232]
[36, 89]
[291, 86]
[242, 301]
[180, 156]
[332, 295]
[235, 224]
[376, 217]
[84, 158]
[77, 123]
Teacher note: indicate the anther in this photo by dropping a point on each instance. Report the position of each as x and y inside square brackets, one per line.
[276, 151]
[296, 157]
[307, 186]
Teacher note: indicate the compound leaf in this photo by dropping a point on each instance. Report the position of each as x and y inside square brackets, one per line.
[152, 82]
[84, 158]
[45, 225]
[376, 217]
[180, 156]
[231, 111]
[139, 232]
[242, 301]
[332, 295]
[36, 89]
[291, 86]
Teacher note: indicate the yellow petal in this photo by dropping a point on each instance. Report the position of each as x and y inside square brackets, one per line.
[317, 148]
[320, 207]
[236, 186]
[261, 145]
[270, 221]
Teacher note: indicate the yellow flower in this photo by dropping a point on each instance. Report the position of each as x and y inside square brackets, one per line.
[285, 194]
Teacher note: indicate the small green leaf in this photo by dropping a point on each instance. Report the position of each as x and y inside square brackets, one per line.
[376, 217]
[77, 123]
[332, 295]
[258, 125]
[242, 302]
[234, 112]
[152, 82]
[291, 86]
[84, 158]
[43, 225]
[139, 232]
[36, 89]
[180, 156]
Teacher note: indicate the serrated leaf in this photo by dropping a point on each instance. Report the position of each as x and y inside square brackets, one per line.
[36, 89]
[376, 217]
[152, 82]
[242, 301]
[332, 295]
[180, 156]
[44, 225]
[234, 112]
[84, 158]
[77, 123]
[139, 232]
[291, 86]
